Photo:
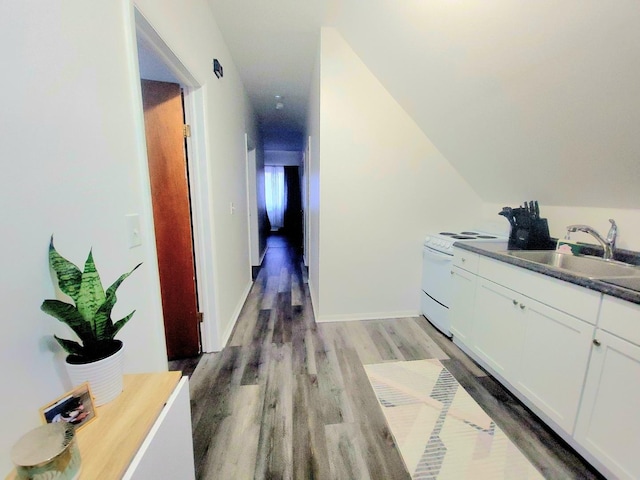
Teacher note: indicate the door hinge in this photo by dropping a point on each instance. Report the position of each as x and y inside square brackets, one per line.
[200, 317]
[186, 130]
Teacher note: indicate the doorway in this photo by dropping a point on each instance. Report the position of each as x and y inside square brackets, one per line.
[156, 61]
[283, 196]
[168, 173]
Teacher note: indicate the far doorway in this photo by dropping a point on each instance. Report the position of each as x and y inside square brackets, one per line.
[283, 197]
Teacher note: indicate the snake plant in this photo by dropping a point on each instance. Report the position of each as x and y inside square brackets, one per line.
[90, 317]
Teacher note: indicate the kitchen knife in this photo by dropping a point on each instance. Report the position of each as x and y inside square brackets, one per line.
[532, 211]
[536, 208]
[507, 212]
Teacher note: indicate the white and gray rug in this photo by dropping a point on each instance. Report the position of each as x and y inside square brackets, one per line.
[441, 432]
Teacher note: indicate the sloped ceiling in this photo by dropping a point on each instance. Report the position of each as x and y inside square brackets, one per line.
[526, 99]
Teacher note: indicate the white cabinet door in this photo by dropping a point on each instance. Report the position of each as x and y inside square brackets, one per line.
[554, 359]
[461, 310]
[499, 331]
[167, 452]
[608, 423]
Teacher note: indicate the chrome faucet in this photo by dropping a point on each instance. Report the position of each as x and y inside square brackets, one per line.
[608, 244]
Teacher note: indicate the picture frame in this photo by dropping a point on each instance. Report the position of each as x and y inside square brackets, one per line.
[75, 407]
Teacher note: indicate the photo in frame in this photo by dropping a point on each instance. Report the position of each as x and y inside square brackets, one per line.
[75, 407]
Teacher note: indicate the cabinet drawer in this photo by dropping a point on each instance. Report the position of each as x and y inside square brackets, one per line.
[566, 297]
[621, 318]
[465, 260]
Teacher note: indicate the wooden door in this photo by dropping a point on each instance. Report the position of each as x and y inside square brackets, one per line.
[163, 118]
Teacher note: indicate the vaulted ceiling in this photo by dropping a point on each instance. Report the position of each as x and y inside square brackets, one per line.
[525, 99]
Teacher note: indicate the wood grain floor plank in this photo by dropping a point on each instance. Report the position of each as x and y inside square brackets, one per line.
[257, 353]
[284, 284]
[335, 405]
[275, 448]
[297, 294]
[386, 347]
[361, 341]
[310, 458]
[234, 453]
[270, 293]
[344, 447]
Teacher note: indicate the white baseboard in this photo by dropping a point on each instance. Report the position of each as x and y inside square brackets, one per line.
[236, 315]
[354, 317]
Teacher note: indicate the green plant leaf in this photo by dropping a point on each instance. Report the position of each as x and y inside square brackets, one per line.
[74, 348]
[103, 322]
[69, 276]
[91, 295]
[121, 323]
[70, 315]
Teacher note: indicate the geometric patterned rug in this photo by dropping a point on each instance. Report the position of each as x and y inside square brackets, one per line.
[441, 432]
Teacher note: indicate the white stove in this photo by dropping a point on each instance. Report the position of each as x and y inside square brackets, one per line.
[437, 259]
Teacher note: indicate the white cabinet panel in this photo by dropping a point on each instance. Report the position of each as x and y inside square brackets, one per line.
[499, 331]
[564, 296]
[608, 424]
[553, 364]
[461, 310]
[167, 452]
[465, 260]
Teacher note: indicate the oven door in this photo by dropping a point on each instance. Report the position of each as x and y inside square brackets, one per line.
[436, 275]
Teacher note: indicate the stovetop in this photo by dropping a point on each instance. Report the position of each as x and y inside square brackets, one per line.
[469, 235]
[443, 241]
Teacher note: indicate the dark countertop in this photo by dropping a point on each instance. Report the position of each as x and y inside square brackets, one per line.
[497, 251]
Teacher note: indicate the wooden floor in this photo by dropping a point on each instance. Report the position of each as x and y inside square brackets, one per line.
[289, 398]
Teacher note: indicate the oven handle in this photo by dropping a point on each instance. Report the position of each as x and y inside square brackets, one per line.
[435, 255]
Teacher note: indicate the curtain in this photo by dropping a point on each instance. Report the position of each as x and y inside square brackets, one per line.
[275, 192]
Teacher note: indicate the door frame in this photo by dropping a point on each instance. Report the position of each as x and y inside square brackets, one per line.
[199, 175]
[252, 203]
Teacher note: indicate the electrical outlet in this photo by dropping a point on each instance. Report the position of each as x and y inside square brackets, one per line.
[133, 230]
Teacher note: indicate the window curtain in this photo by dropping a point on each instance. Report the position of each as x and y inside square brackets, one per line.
[275, 191]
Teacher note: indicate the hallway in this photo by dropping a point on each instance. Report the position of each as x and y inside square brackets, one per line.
[288, 398]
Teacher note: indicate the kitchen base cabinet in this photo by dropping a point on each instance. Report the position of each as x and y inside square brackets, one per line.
[553, 361]
[499, 335]
[608, 425]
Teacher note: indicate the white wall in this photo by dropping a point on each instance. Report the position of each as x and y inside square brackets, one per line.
[74, 165]
[559, 217]
[384, 186]
[283, 158]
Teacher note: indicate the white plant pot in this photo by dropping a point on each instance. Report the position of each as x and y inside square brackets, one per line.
[105, 377]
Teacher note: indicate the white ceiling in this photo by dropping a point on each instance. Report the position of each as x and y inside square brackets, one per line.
[526, 99]
[274, 45]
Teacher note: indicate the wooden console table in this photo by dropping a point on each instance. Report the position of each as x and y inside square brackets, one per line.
[144, 433]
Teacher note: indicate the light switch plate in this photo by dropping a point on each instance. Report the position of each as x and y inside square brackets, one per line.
[134, 239]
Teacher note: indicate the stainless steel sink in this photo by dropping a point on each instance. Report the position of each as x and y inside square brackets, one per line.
[586, 266]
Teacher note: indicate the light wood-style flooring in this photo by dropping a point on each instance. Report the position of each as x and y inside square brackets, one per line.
[289, 399]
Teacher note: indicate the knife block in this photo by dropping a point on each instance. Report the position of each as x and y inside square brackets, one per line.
[531, 235]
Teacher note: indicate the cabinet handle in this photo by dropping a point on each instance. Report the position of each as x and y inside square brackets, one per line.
[451, 272]
[515, 302]
[522, 306]
[596, 342]
[463, 259]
